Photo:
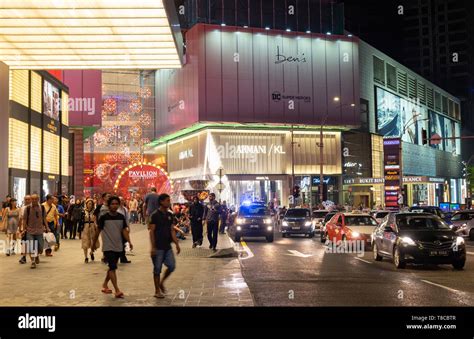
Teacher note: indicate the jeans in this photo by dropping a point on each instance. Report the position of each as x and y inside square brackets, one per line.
[34, 244]
[212, 232]
[133, 217]
[163, 257]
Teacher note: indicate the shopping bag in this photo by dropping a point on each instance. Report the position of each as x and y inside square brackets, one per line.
[50, 239]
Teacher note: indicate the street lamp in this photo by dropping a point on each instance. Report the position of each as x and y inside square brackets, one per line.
[321, 146]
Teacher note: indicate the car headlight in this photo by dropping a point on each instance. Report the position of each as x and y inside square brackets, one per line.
[268, 221]
[284, 223]
[464, 226]
[459, 241]
[355, 234]
[408, 241]
[308, 223]
[240, 221]
[239, 228]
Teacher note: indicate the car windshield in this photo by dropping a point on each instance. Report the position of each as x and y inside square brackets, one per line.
[253, 210]
[319, 214]
[462, 216]
[421, 223]
[329, 216]
[297, 213]
[361, 220]
[380, 215]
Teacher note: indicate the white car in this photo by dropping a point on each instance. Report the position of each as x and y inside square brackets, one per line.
[318, 218]
[463, 224]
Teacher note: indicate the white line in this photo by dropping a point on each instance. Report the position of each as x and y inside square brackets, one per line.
[366, 261]
[445, 287]
[471, 253]
[246, 249]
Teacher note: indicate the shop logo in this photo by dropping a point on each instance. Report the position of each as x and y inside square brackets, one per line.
[135, 175]
[249, 152]
[281, 58]
[277, 96]
[187, 154]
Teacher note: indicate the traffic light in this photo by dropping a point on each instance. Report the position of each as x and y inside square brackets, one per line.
[296, 192]
[424, 136]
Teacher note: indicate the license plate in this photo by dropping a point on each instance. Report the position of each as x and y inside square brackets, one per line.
[253, 226]
[439, 253]
[295, 228]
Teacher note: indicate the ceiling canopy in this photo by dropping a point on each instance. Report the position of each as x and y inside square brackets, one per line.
[87, 34]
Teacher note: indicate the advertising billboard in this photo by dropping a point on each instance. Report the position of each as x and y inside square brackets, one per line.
[446, 128]
[51, 101]
[392, 172]
[398, 117]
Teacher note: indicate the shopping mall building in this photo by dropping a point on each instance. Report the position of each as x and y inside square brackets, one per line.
[250, 101]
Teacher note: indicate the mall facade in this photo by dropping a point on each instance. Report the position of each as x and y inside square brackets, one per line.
[251, 101]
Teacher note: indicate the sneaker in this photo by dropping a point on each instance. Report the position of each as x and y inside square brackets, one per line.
[210, 247]
[92, 257]
[33, 265]
[13, 252]
[22, 260]
[86, 260]
[37, 260]
[8, 253]
[194, 245]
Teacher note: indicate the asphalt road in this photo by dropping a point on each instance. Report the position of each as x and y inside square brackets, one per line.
[298, 272]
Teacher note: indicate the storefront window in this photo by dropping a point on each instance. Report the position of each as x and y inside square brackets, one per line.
[19, 189]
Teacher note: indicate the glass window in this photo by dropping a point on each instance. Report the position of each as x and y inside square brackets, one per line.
[421, 223]
[360, 220]
[18, 144]
[297, 213]
[253, 210]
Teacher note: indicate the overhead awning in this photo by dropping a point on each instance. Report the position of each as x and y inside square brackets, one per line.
[89, 34]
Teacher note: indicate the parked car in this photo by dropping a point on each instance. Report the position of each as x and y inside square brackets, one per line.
[433, 210]
[253, 220]
[318, 218]
[322, 231]
[379, 215]
[297, 221]
[420, 238]
[351, 226]
[463, 223]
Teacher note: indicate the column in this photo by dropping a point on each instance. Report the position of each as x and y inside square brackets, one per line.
[4, 126]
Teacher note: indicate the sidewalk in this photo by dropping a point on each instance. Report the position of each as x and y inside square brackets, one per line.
[65, 280]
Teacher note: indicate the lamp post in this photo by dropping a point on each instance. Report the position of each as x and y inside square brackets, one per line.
[321, 149]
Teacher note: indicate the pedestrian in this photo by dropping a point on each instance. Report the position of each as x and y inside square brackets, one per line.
[102, 208]
[224, 216]
[90, 231]
[196, 213]
[5, 205]
[151, 204]
[76, 218]
[51, 217]
[22, 227]
[12, 213]
[114, 228]
[66, 219]
[124, 211]
[61, 215]
[162, 234]
[133, 207]
[141, 219]
[212, 215]
[35, 226]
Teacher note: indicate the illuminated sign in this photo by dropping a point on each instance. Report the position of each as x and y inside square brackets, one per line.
[392, 172]
[186, 154]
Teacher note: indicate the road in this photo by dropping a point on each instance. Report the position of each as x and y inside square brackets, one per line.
[297, 272]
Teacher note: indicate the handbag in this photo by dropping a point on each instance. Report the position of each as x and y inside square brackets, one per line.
[50, 239]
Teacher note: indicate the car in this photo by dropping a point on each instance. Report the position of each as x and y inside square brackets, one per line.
[297, 221]
[322, 231]
[433, 210]
[318, 218]
[419, 238]
[252, 220]
[351, 226]
[379, 215]
[463, 223]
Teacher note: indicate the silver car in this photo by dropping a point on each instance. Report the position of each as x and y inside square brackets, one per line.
[463, 223]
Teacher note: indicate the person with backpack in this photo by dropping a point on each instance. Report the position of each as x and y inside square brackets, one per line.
[52, 219]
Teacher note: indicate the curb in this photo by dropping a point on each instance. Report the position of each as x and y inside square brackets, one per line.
[228, 252]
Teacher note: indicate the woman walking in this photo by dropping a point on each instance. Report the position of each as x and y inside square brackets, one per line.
[90, 230]
[12, 214]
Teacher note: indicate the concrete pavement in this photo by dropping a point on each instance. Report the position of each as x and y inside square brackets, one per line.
[65, 280]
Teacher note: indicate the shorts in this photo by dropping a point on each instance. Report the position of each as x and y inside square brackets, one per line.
[112, 259]
[163, 257]
[34, 244]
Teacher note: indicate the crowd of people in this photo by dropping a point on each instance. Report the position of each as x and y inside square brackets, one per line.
[34, 228]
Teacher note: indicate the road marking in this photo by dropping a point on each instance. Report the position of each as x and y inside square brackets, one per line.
[299, 254]
[366, 261]
[471, 253]
[247, 250]
[442, 286]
